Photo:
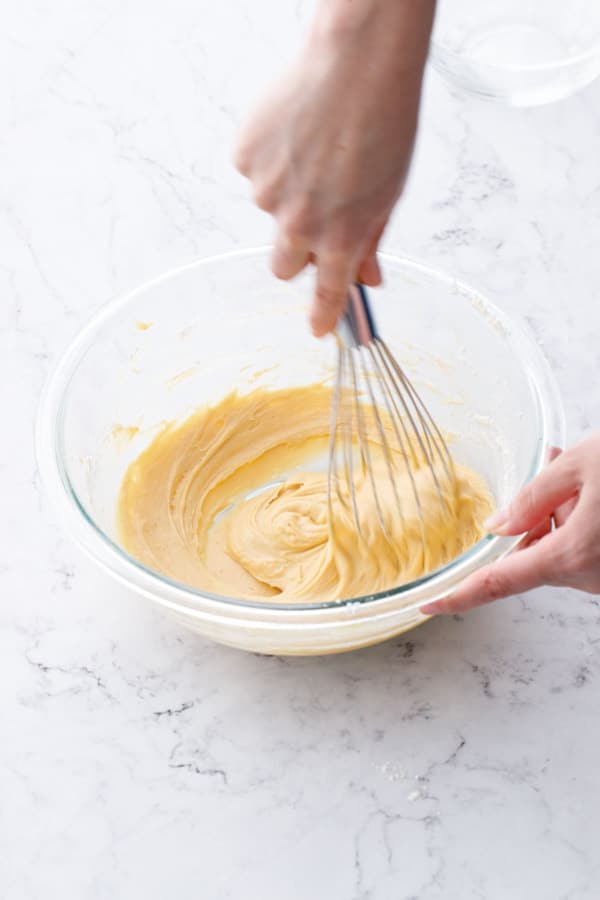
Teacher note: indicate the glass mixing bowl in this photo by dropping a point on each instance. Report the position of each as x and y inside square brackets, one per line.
[192, 335]
[520, 52]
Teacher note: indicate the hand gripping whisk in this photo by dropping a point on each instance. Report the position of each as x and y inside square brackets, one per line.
[376, 409]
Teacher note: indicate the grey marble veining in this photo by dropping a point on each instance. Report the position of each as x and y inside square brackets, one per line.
[136, 760]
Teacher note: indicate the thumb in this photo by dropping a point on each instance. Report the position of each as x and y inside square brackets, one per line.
[557, 483]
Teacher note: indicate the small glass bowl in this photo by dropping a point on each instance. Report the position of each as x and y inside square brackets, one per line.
[191, 336]
[519, 52]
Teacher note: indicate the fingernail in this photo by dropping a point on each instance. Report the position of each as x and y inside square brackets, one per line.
[433, 609]
[497, 521]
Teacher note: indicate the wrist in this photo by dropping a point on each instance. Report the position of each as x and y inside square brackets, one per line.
[401, 25]
[335, 19]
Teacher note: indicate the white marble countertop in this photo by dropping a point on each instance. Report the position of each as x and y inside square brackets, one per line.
[136, 760]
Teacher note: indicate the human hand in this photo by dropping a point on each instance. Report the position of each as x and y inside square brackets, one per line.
[566, 492]
[328, 151]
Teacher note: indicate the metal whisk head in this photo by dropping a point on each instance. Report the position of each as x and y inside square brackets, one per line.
[376, 410]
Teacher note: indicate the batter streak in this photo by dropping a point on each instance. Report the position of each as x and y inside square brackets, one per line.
[182, 512]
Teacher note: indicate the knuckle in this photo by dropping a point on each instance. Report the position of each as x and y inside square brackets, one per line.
[343, 239]
[298, 225]
[242, 165]
[330, 298]
[339, 246]
[567, 562]
[559, 567]
[571, 465]
[241, 159]
[279, 269]
[526, 504]
[293, 232]
[494, 586]
[526, 507]
[265, 197]
[578, 555]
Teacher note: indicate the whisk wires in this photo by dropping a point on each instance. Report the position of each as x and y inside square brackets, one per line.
[379, 423]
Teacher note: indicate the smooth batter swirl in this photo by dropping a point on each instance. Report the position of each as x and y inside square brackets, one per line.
[181, 513]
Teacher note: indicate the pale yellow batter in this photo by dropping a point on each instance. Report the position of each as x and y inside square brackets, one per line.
[182, 512]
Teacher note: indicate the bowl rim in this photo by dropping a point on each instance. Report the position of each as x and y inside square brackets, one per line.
[169, 592]
[439, 46]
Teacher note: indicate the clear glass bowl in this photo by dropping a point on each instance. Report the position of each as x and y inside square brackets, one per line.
[520, 52]
[187, 338]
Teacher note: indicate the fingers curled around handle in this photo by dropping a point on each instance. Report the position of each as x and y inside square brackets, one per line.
[369, 272]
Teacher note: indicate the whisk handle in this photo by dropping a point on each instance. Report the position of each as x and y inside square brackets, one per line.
[357, 328]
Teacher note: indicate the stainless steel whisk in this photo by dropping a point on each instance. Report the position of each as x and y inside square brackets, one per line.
[367, 368]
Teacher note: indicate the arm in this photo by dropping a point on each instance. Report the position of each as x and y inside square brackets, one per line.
[567, 493]
[328, 151]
